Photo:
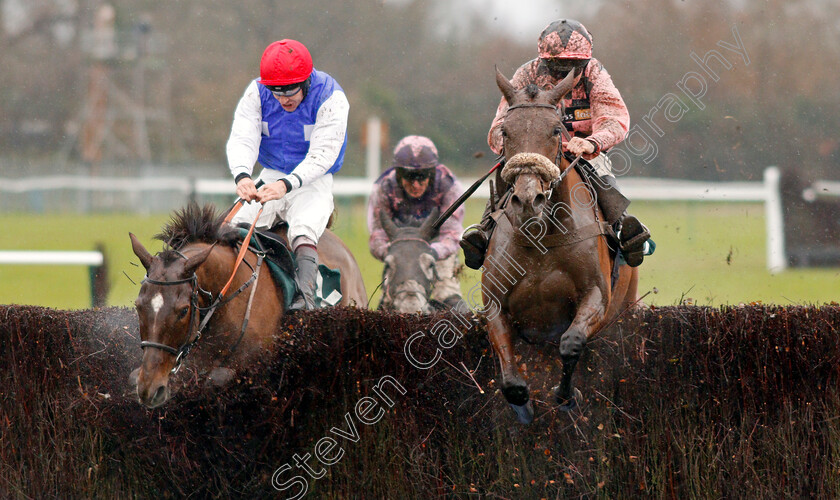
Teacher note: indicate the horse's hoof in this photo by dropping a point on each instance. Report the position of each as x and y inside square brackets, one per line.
[516, 395]
[132, 377]
[571, 403]
[524, 413]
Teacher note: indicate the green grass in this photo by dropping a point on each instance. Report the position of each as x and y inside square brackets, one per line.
[710, 253]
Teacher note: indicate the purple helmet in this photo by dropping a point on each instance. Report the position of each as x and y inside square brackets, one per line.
[415, 152]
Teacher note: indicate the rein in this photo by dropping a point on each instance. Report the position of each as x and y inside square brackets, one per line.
[207, 312]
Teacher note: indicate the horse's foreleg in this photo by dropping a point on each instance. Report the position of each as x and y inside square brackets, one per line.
[514, 387]
[590, 315]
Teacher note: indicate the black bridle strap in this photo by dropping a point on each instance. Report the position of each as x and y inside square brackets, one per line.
[182, 353]
[532, 105]
[163, 347]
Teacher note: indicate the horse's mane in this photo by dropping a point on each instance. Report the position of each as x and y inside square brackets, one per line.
[531, 90]
[193, 224]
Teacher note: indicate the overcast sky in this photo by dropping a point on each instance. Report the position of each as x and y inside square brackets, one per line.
[522, 19]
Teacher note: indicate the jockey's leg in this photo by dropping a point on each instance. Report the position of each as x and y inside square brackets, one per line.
[447, 288]
[306, 274]
[476, 238]
[308, 211]
[633, 234]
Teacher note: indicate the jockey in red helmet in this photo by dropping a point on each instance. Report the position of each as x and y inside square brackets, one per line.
[416, 184]
[596, 119]
[293, 121]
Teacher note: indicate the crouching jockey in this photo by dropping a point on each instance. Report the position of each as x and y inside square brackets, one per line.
[596, 119]
[408, 192]
[293, 120]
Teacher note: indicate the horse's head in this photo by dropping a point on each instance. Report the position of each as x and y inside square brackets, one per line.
[531, 135]
[409, 265]
[166, 308]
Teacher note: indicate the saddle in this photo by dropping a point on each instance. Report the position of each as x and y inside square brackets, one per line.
[281, 262]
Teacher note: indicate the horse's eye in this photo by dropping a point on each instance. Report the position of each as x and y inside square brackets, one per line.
[183, 312]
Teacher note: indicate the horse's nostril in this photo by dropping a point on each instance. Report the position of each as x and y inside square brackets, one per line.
[515, 200]
[160, 395]
[539, 201]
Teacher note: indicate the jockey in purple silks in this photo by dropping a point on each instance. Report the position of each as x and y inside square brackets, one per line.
[416, 184]
[596, 118]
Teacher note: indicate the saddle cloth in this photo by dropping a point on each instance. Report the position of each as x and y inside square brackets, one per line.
[281, 263]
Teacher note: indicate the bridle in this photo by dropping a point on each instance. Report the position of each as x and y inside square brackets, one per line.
[204, 314]
[207, 312]
[559, 156]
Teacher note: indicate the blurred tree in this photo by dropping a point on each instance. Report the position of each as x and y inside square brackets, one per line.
[392, 61]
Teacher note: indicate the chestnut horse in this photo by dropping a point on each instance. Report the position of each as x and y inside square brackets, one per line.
[547, 275]
[179, 301]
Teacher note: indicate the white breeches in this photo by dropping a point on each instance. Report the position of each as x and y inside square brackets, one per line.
[306, 209]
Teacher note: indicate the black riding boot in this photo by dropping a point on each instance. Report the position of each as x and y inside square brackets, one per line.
[305, 278]
[476, 238]
[633, 234]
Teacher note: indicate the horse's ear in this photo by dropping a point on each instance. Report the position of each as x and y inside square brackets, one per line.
[561, 89]
[140, 251]
[427, 230]
[505, 86]
[388, 225]
[197, 259]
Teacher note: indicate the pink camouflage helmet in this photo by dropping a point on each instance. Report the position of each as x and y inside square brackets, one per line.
[565, 39]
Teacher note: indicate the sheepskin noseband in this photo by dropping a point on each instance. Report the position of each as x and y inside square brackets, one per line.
[530, 163]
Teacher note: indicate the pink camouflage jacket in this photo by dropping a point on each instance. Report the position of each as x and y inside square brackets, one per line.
[595, 110]
[389, 196]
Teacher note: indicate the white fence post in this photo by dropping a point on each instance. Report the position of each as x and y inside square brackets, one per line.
[776, 258]
[374, 148]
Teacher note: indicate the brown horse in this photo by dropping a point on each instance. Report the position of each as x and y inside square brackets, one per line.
[179, 300]
[547, 275]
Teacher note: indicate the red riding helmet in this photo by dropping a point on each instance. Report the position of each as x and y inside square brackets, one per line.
[565, 39]
[285, 62]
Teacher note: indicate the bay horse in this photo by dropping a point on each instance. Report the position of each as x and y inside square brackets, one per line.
[180, 296]
[547, 275]
[410, 268]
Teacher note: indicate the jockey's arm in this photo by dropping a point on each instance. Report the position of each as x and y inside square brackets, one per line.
[378, 241]
[610, 117]
[325, 143]
[243, 145]
[447, 241]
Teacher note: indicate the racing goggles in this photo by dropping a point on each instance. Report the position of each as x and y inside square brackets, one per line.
[284, 90]
[415, 174]
[560, 67]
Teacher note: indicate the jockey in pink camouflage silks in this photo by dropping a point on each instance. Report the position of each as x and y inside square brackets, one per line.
[596, 117]
[408, 192]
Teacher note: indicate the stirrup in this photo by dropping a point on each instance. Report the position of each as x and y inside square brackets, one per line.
[633, 248]
[474, 245]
